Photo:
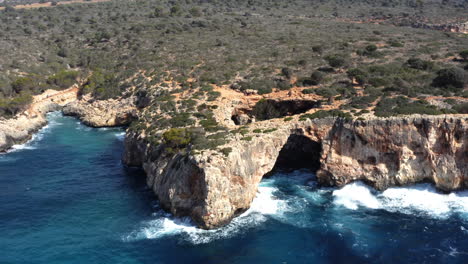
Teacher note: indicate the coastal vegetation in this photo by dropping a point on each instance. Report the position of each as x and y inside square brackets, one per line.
[175, 56]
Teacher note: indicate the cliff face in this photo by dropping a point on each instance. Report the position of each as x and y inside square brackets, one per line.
[20, 129]
[212, 188]
[104, 113]
[396, 151]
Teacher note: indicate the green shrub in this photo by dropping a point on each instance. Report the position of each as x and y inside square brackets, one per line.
[404, 106]
[226, 151]
[464, 55]
[336, 60]
[24, 84]
[359, 75]
[181, 120]
[264, 110]
[316, 77]
[317, 49]
[15, 105]
[102, 85]
[327, 91]
[63, 79]
[308, 91]
[324, 113]
[419, 64]
[177, 137]
[461, 108]
[452, 77]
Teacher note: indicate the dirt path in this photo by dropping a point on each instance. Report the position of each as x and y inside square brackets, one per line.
[48, 97]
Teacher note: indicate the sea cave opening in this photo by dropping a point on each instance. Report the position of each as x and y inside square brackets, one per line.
[299, 152]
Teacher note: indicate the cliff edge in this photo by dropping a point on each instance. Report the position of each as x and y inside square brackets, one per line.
[212, 188]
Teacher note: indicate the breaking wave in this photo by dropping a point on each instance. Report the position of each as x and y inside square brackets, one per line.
[37, 137]
[289, 199]
[421, 199]
[120, 135]
[270, 202]
[164, 225]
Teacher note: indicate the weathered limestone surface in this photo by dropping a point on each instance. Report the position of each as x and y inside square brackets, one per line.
[102, 113]
[212, 188]
[20, 129]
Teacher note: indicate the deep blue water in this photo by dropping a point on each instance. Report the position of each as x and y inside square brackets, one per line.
[66, 198]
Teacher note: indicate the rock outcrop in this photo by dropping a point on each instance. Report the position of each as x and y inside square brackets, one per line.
[102, 113]
[20, 129]
[212, 188]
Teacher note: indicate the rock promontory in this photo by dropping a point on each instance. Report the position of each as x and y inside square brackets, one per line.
[102, 113]
[212, 188]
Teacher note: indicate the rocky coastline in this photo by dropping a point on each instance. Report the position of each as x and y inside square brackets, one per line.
[212, 188]
[382, 152]
[106, 113]
[22, 127]
[102, 113]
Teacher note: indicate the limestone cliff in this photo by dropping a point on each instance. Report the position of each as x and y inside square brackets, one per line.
[212, 188]
[102, 113]
[20, 129]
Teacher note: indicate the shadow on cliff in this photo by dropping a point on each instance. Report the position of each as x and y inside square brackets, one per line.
[299, 152]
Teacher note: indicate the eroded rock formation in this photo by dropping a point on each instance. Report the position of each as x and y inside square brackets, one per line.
[103, 113]
[212, 188]
[20, 129]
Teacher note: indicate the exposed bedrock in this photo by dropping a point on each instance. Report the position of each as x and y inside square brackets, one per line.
[103, 113]
[269, 109]
[212, 188]
[21, 128]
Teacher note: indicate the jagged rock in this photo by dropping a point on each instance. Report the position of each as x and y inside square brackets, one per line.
[20, 129]
[212, 188]
[103, 113]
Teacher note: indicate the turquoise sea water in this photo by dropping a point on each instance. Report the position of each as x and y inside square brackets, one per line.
[66, 198]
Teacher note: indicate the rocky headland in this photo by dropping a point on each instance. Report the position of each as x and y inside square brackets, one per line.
[212, 188]
[218, 180]
[102, 113]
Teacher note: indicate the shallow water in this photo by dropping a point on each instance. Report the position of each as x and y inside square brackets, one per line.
[66, 198]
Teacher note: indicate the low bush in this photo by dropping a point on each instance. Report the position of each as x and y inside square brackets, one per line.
[324, 113]
[451, 78]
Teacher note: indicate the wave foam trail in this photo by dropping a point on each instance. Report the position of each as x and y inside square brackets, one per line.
[421, 198]
[354, 195]
[36, 137]
[120, 136]
[264, 204]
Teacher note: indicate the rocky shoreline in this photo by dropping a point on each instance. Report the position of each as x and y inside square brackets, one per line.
[22, 127]
[383, 152]
[108, 113]
[212, 188]
[104, 113]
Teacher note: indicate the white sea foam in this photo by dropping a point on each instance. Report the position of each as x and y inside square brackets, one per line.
[120, 135]
[418, 199]
[354, 195]
[263, 205]
[271, 203]
[37, 137]
[31, 144]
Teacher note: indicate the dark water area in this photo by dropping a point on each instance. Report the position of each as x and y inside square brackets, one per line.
[66, 198]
